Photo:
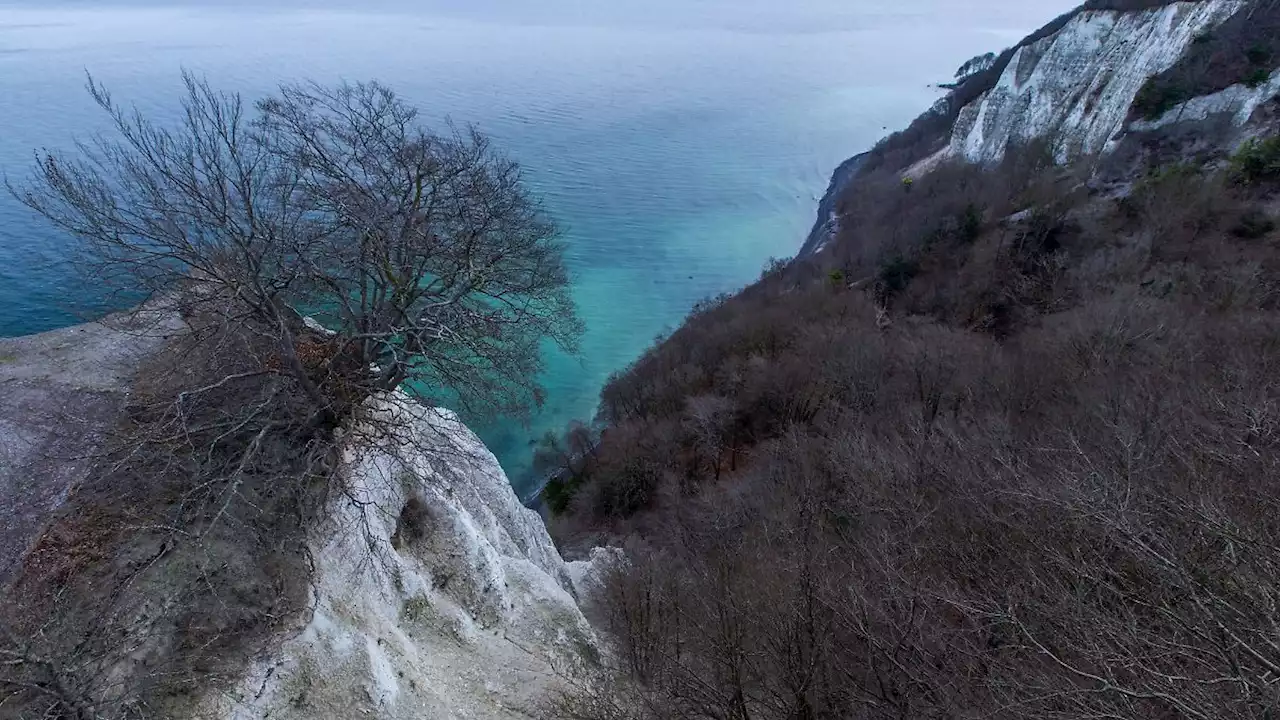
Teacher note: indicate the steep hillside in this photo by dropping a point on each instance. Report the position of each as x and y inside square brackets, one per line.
[1005, 447]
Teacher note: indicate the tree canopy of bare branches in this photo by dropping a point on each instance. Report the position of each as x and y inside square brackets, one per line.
[423, 252]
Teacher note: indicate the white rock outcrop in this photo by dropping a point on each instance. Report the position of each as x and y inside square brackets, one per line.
[436, 594]
[1076, 86]
[1238, 101]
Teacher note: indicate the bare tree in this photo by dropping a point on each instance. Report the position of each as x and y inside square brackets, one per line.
[708, 418]
[430, 267]
[423, 252]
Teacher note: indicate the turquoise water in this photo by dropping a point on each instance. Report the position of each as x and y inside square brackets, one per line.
[680, 143]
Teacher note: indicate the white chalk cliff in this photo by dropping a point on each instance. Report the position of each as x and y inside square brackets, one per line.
[436, 594]
[1076, 86]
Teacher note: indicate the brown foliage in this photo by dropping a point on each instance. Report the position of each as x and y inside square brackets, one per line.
[1045, 491]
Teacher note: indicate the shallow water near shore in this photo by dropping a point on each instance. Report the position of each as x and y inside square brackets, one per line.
[679, 144]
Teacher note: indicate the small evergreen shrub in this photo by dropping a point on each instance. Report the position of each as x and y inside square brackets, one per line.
[897, 274]
[1257, 77]
[1157, 96]
[1257, 161]
[558, 494]
[970, 224]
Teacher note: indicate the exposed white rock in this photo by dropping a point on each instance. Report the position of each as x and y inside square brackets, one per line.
[1076, 86]
[436, 593]
[1239, 101]
[315, 326]
[588, 576]
[824, 232]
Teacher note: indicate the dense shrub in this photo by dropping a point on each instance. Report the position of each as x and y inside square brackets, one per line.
[1257, 77]
[1258, 160]
[1012, 519]
[1157, 96]
[970, 224]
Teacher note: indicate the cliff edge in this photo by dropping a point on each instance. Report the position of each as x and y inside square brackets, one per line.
[428, 589]
[58, 391]
[435, 593]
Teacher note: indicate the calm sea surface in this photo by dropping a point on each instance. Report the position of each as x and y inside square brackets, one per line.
[680, 143]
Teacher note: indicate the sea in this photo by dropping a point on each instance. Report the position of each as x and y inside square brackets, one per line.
[680, 144]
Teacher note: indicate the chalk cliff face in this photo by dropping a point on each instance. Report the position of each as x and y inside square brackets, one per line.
[1075, 87]
[436, 594]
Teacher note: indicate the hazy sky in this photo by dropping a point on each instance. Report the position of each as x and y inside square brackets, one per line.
[1011, 16]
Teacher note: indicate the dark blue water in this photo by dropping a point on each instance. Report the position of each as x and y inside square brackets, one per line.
[681, 143]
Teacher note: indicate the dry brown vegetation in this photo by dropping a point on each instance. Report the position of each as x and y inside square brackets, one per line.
[1008, 448]
[183, 551]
